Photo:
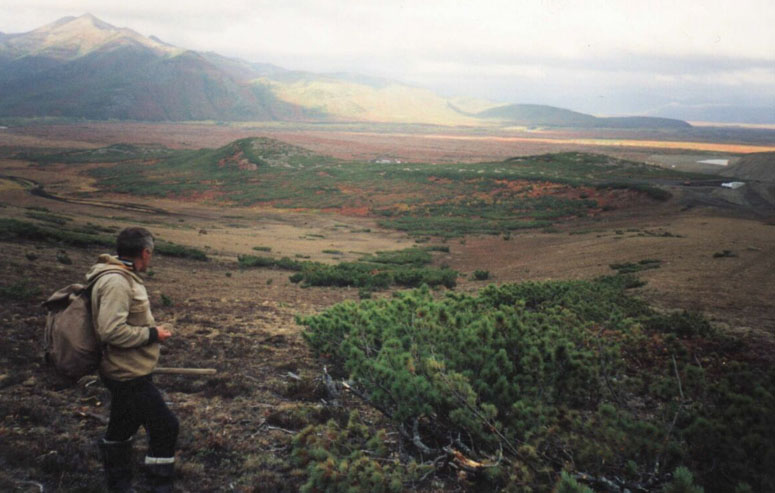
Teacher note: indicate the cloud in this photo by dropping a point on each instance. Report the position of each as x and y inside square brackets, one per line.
[591, 52]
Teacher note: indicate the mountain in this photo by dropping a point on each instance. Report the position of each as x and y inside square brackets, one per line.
[83, 67]
[73, 37]
[550, 116]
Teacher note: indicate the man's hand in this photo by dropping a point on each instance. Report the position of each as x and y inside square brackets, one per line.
[164, 334]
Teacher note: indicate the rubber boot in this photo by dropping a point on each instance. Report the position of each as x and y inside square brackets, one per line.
[117, 459]
[161, 473]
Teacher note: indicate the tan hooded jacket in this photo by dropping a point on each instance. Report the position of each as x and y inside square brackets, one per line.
[122, 317]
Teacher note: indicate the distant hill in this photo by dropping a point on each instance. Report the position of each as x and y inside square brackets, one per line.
[82, 67]
[550, 116]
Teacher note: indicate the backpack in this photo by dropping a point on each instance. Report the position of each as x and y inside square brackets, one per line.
[70, 342]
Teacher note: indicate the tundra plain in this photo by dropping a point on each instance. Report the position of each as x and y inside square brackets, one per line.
[715, 247]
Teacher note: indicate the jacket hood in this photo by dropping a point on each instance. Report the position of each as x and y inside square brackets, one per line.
[107, 262]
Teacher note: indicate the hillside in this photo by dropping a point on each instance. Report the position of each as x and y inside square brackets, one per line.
[356, 99]
[759, 166]
[446, 200]
[550, 116]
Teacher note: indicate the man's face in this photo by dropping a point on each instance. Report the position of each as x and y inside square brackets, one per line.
[146, 257]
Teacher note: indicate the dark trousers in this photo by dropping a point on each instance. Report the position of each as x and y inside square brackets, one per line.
[138, 402]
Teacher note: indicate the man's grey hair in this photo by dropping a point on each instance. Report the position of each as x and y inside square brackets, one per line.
[132, 241]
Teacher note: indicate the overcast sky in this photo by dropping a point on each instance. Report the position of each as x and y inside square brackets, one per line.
[598, 56]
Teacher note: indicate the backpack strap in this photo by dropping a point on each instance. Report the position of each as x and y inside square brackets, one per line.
[96, 278]
[62, 297]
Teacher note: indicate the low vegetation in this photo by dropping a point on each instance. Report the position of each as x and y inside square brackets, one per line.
[405, 268]
[446, 200]
[14, 229]
[724, 254]
[522, 381]
[111, 154]
[631, 267]
[481, 275]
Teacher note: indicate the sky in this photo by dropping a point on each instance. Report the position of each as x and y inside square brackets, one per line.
[605, 57]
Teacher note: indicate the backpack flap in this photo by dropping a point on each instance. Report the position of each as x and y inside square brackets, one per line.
[63, 297]
[69, 342]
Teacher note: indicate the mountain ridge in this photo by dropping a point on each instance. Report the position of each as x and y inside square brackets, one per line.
[544, 115]
[83, 67]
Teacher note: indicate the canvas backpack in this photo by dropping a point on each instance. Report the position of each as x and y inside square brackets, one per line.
[70, 342]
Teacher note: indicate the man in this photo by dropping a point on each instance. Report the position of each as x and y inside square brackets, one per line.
[122, 318]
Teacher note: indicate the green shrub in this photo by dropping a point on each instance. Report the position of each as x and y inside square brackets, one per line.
[49, 218]
[683, 482]
[724, 254]
[683, 324]
[262, 248]
[568, 484]
[63, 258]
[175, 250]
[373, 272]
[408, 256]
[255, 261]
[437, 248]
[631, 268]
[286, 263]
[541, 371]
[481, 275]
[13, 229]
[350, 458]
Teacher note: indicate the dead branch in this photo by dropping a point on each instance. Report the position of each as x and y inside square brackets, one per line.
[366, 399]
[675, 417]
[463, 446]
[331, 389]
[86, 414]
[490, 426]
[293, 376]
[417, 441]
[468, 464]
[33, 483]
[432, 469]
[270, 427]
[604, 369]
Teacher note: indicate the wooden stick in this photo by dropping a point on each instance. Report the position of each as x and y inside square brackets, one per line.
[184, 371]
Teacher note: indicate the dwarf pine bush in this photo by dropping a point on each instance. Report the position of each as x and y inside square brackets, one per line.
[551, 372]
